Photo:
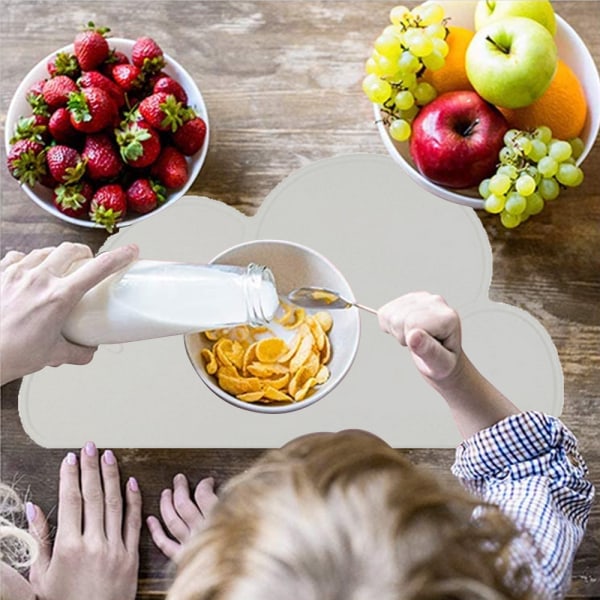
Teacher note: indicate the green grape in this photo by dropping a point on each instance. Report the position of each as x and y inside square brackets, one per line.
[547, 166]
[533, 172]
[538, 150]
[434, 61]
[577, 146]
[560, 150]
[400, 130]
[408, 62]
[386, 66]
[418, 43]
[436, 31]
[409, 81]
[394, 31]
[507, 156]
[484, 188]
[410, 113]
[440, 46]
[377, 90]
[548, 189]
[388, 46]
[429, 14]
[509, 170]
[543, 133]
[424, 93]
[535, 204]
[523, 144]
[509, 221]
[500, 184]
[569, 175]
[510, 136]
[371, 66]
[398, 14]
[515, 204]
[494, 204]
[525, 185]
[404, 100]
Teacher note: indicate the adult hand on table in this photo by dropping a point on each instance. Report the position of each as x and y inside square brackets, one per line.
[37, 293]
[181, 514]
[95, 553]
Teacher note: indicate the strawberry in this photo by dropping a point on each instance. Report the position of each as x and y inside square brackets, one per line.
[97, 79]
[189, 138]
[92, 109]
[128, 77]
[168, 85]
[26, 161]
[144, 195]
[147, 55]
[91, 47]
[139, 144]
[64, 64]
[103, 161]
[109, 206]
[60, 127]
[56, 91]
[35, 99]
[163, 111]
[32, 128]
[170, 168]
[65, 164]
[73, 200]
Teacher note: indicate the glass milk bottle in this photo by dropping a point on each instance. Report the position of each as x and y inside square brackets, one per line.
[152, 299]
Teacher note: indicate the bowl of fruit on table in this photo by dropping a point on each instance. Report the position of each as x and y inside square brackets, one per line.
[106, 132]
[490, 104]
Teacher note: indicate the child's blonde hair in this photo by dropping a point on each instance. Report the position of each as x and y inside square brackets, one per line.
[17, 547]
[344, 516]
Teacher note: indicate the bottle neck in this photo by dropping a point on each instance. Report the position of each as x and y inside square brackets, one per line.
[256, 281]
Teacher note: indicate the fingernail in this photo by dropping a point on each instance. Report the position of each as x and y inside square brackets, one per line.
[109, 457]
[30, 511]
[133, 484]
[71, 458]
[209, 480]
[179, 477]
[90, 449]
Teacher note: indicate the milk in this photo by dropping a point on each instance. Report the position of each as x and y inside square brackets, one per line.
[152, 299]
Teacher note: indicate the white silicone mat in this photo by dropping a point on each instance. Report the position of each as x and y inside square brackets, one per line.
[388, 237]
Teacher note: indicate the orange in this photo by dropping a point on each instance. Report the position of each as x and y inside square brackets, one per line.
[562, 107]
[452, 76]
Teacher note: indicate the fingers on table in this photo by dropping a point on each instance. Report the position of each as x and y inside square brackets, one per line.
[204, 494]
[113, 500]
[160, 538]
[39, 529]
[91, 492]
[69, 499]
[133, 516]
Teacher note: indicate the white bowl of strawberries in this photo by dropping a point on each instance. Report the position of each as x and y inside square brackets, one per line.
[106, 132]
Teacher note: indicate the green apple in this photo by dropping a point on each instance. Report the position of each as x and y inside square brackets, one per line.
[511, 62]
[541, 11]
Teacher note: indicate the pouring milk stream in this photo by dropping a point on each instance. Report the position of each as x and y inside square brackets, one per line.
[151, 299]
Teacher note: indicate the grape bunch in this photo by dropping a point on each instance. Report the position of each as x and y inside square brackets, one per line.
[415, 41]
[533, 168]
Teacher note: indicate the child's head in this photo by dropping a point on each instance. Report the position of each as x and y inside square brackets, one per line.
[344, 516]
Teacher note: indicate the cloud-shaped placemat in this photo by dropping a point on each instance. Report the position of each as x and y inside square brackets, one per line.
[388, 237]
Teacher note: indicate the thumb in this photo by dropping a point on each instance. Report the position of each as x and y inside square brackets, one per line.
[39, 530]
[432, 359]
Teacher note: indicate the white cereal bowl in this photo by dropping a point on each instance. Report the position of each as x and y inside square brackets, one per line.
[571, 49]
[293, 265]
[42, 196]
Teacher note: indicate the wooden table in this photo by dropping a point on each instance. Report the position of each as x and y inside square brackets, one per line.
[282, 83]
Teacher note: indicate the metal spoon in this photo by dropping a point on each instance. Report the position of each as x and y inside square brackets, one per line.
[316, 297]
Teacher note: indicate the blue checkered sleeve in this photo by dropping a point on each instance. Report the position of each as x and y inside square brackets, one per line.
[528, 464]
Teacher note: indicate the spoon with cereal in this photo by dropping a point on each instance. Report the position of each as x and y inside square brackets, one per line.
[316, 297]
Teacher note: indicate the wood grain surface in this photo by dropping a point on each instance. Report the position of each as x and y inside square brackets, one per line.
[281, 80]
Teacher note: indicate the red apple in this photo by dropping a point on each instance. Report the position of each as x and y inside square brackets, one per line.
[456, 139]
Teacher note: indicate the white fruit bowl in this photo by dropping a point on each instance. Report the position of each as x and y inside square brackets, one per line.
[293, 266]
[571, 49]
[42, 196]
